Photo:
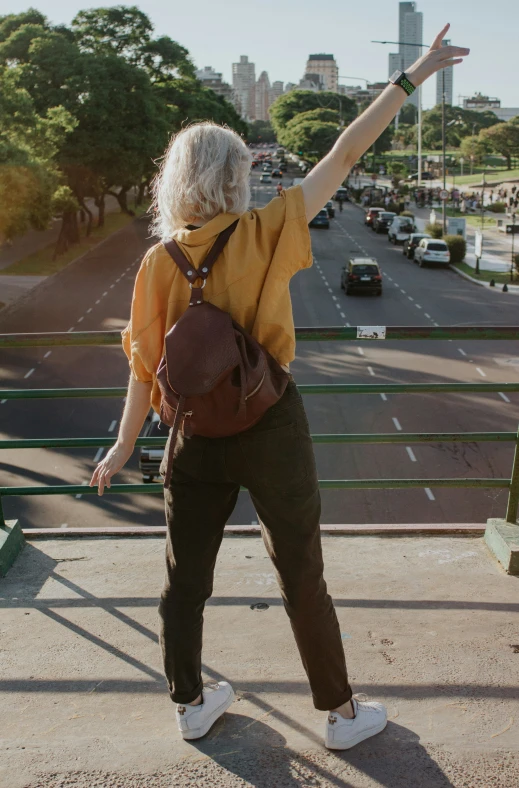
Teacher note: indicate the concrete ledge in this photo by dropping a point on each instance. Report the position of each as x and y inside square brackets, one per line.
[502, 539]
[12, 541]
[382, 529]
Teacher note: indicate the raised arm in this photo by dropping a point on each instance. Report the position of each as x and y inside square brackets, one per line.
[328, 175]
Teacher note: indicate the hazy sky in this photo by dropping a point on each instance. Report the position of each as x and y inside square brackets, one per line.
[278, 35]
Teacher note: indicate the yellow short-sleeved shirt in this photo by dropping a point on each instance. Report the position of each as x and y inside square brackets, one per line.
[250, 281]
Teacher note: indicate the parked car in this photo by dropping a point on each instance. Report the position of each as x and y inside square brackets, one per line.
[400, 228]
[370, 216]
[266, 177]
[432, 250]
[361, 274]
[426, 176]
[341, 194]
[411, 243]
[277, 173]
[321, 220]
[331, 210]
[150, 457]
[382, 221]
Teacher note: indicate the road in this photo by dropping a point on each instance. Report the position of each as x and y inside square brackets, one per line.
[95, 294]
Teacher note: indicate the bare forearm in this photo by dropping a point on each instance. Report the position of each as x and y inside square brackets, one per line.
[135, 411]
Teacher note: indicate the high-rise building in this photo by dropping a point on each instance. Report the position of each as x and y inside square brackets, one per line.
[410, 32]
[243, 82]
[213, 79]
[277, 89]
[263, 97]
[313, 82]
[325, 66]
[444, 82]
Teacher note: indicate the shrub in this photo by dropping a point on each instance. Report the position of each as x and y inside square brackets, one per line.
[497, 207]
[434, 230]
[516, 261]
[407, 213]
[357, 193]
[457, 247]
[393, 207]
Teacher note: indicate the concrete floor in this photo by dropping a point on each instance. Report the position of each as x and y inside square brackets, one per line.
[430, 628]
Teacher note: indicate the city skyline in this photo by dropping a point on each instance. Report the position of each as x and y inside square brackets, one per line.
[348, 37]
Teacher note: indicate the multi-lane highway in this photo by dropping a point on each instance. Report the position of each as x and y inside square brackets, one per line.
[95, 294]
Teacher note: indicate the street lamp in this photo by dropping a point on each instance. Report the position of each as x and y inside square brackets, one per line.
[419, 89]
[512, 262]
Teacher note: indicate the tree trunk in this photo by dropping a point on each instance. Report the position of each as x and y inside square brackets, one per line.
[508, 161]
[100, 204]
[122, 198]
[68, 234]
[85, 210]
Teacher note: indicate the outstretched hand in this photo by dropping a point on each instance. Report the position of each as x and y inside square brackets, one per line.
[435, 59]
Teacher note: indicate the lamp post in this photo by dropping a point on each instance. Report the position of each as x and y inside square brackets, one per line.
[512, 262]
[483, 202]
[419, 91]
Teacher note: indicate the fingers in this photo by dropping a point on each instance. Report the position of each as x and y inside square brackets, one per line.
[436, 44]
[445, 53]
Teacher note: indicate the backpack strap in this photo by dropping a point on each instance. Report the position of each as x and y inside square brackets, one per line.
[189, 271]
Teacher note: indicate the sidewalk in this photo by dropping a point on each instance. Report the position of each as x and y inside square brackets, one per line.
[428, 628]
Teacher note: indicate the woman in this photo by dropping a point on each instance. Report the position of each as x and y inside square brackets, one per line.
[203, 187]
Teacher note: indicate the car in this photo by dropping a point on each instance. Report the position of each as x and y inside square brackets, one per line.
[362, 275]
[382, 221]
[411, 243]
[331, 210]
[432, 250]
[341, 194]
[370, 216]
[277, 173]
[426, 176]
[265, 177]
[150, 457]
[400, 228]
[267, 167]
[283, 166]
[321, 220]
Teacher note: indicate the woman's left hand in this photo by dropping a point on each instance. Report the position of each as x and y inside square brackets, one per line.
[435, 59]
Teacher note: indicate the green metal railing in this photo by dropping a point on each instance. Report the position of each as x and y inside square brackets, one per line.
[361, 334]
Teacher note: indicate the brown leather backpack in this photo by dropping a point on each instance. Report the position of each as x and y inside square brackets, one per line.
[215, 379]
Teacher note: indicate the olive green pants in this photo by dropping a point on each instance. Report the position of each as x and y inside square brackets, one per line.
[274, 460]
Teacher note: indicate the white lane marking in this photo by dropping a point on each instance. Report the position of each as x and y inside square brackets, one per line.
[402, 291]
[79, 319]
[89, 310]
[98, 301]
[118, 279]
[29, 373]
[371, 371]
[105, 293]
[411, 299]
[338, 306]
[427, 316]
[348, 325]
[111, 428]
[343, 316]
[384, 397]
[111, 286]
[99, 454]
[70, 329]
[503, 396]
[360, 351]
[80, 494]
[436, 324]
[429, 494]
[462, 352]
[334, 298]
[410, 453]
[397, 424]
[483, 374]
[47, 354]
[330, 290]
[418, 306]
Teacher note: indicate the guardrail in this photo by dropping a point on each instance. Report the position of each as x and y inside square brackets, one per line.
[359, 333]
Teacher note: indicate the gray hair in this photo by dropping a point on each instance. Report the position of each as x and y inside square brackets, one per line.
[204, 172]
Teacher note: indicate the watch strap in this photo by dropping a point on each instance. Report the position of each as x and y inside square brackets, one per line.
[401, 79]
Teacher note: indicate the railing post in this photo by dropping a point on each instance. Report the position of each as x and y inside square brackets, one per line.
[513, 495]
[2, 521]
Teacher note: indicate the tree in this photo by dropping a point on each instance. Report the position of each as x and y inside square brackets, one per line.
[261, 131]
[466, 121]
[475, 147]
[408, 115]
[297, 101]
[313, 138]
[398, 171]
[504, 139]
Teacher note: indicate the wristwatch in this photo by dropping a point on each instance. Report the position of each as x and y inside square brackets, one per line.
[399, 78]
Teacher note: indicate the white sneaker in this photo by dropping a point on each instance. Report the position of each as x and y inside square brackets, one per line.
[195, 721]
[341, 734]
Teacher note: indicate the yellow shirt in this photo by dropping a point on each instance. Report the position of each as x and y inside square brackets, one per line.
[250, 281]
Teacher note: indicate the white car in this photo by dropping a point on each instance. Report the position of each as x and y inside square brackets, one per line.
[266, 177]
[400, 229]
[432, 250]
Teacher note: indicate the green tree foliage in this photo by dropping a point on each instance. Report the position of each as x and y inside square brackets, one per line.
[503, 138]
[398, 172]
[474, 146]
[466, 121]
[297, 101]
[261, 131]
[408, 115]
[313, 137]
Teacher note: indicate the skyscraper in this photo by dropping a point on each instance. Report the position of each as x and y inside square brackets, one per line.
[263, 96]
[446, 74]
[277, 89]
[325, 66]
[243, 82]
[410, 31]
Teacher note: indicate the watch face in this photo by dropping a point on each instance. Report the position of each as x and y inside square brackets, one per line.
[396, 75]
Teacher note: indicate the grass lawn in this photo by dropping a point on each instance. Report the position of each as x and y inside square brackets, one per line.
[497, 175]
[486, 276]
[40, 263]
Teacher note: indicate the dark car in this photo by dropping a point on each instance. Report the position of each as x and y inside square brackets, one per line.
[411, 243]
[361, 274]
[370, 216]
[331, 210]
[426, 176]
[283, 166]
[267, 167]
[321, 220]
[382, 221]
[150, 457]
[277, 173]
[341, 194]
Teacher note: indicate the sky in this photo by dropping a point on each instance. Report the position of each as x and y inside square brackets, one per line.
[278, 36]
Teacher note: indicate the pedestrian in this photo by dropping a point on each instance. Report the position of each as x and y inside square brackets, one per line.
[201, 196]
